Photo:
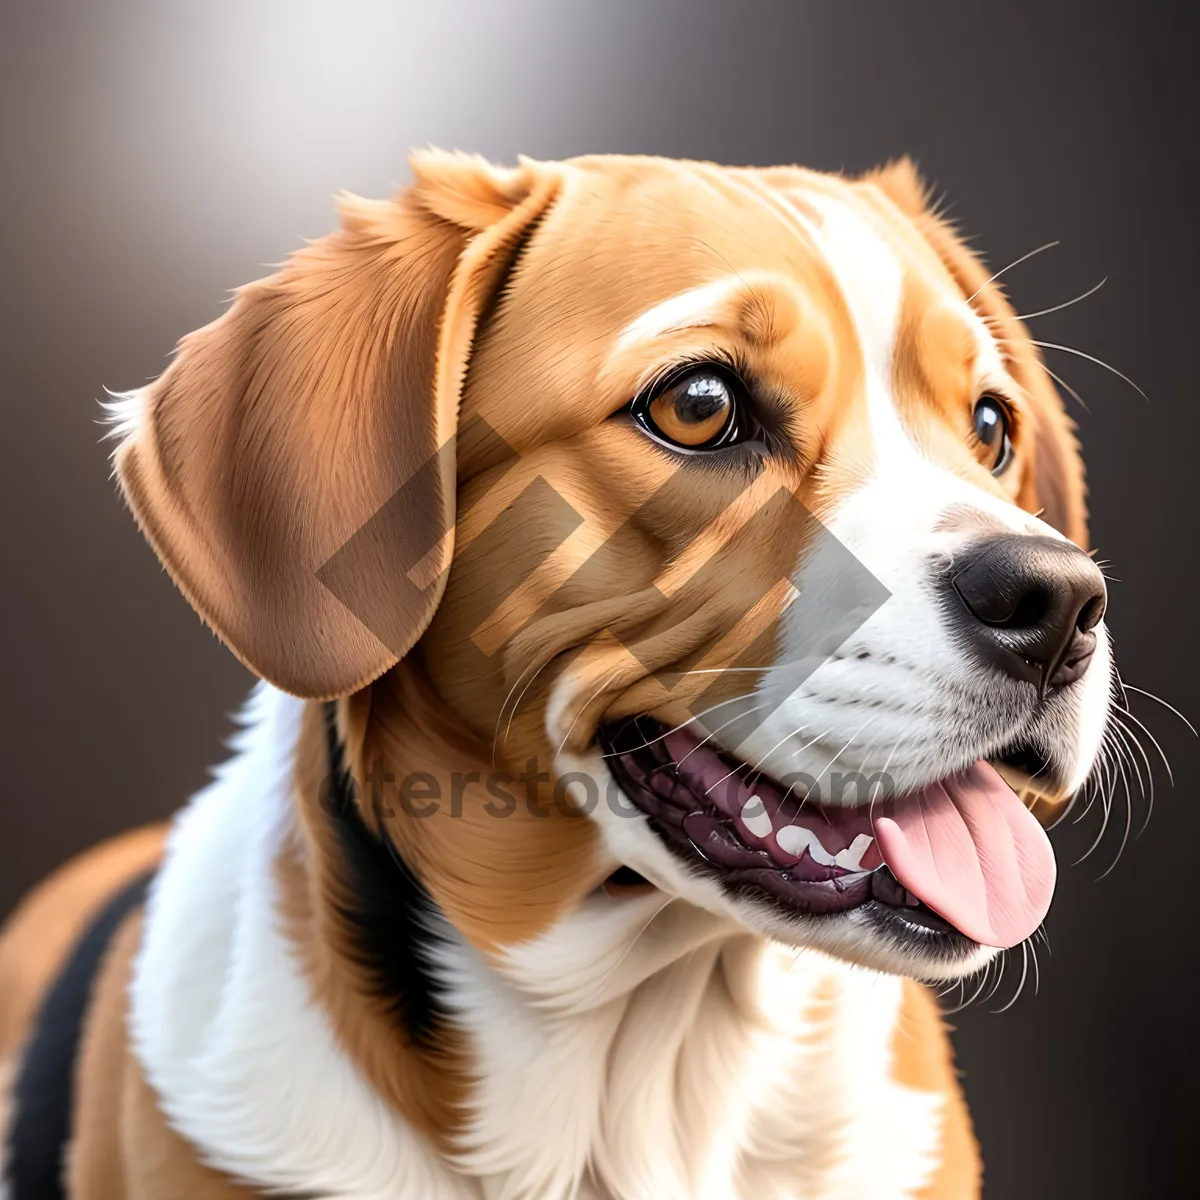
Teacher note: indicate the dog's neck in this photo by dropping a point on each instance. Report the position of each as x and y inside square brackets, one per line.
[643, 1048]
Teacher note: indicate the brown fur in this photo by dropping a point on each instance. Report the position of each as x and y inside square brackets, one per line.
[923, 1059]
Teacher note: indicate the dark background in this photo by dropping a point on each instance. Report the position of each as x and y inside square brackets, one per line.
[154, 155]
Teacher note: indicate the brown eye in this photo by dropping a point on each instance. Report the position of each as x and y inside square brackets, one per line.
[695, 411]
[992, 430]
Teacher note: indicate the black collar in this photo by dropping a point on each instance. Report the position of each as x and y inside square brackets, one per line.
[392, 919]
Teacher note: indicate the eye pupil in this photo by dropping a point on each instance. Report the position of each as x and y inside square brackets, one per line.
[694, 411]
[987, 423]
[703, 398]
[991, 428]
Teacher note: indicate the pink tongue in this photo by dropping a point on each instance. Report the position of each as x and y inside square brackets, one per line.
[973, 853]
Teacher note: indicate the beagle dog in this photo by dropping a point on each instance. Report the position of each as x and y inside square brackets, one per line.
[667, 586]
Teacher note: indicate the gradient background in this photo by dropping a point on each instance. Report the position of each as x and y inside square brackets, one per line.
[154, 155]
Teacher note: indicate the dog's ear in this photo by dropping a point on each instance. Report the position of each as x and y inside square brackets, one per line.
[1055, 483]
[282, 428]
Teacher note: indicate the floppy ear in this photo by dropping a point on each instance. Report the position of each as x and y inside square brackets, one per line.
[1055, 483]
[325, 390]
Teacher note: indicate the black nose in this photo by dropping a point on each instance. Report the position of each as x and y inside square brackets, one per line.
[1032, 607]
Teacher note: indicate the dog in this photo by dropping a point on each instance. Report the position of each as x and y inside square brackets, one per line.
[584, 522]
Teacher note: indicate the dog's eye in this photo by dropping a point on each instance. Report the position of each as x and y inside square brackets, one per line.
[991, 428]
[695, 410]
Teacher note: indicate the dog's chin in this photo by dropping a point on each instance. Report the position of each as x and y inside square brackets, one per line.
[687, 843]
[877, 935]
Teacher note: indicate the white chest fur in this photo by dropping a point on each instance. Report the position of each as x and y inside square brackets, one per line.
[635, 1050]
[686, 1063]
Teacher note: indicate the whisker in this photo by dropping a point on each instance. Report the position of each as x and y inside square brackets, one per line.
[724, 724]
[1106, 807]
[1016, 262]
[584, 707]
[764, 670]
[864, 757]
[684, 724]
[1119, 684]
[1128, 823]
[1068, 389]
[1131, 743]
[875, 790]
[1159, 700]
[1090, 358]
[1137, 742]
[999, 977]
[1124, 837]
[842, 751]
[1041, 312]
[944, 992]
[512, 716]
[754, 770]
[1021, 981]
[773, 748]
[983, 978]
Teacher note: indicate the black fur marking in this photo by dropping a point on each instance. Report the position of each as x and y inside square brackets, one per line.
[392, 916]
[45, 1087]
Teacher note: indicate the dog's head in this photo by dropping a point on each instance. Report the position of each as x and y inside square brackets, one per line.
[736, 503]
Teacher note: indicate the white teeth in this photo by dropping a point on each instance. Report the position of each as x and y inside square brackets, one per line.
[795, 839]
[911, 900]
[755, 817]
[851, 858]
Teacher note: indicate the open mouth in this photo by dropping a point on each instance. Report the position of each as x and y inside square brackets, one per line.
[959, 859]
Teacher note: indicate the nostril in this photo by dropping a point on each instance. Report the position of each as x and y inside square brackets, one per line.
[1030, 610]
[1090, 614]
[1004, 603]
